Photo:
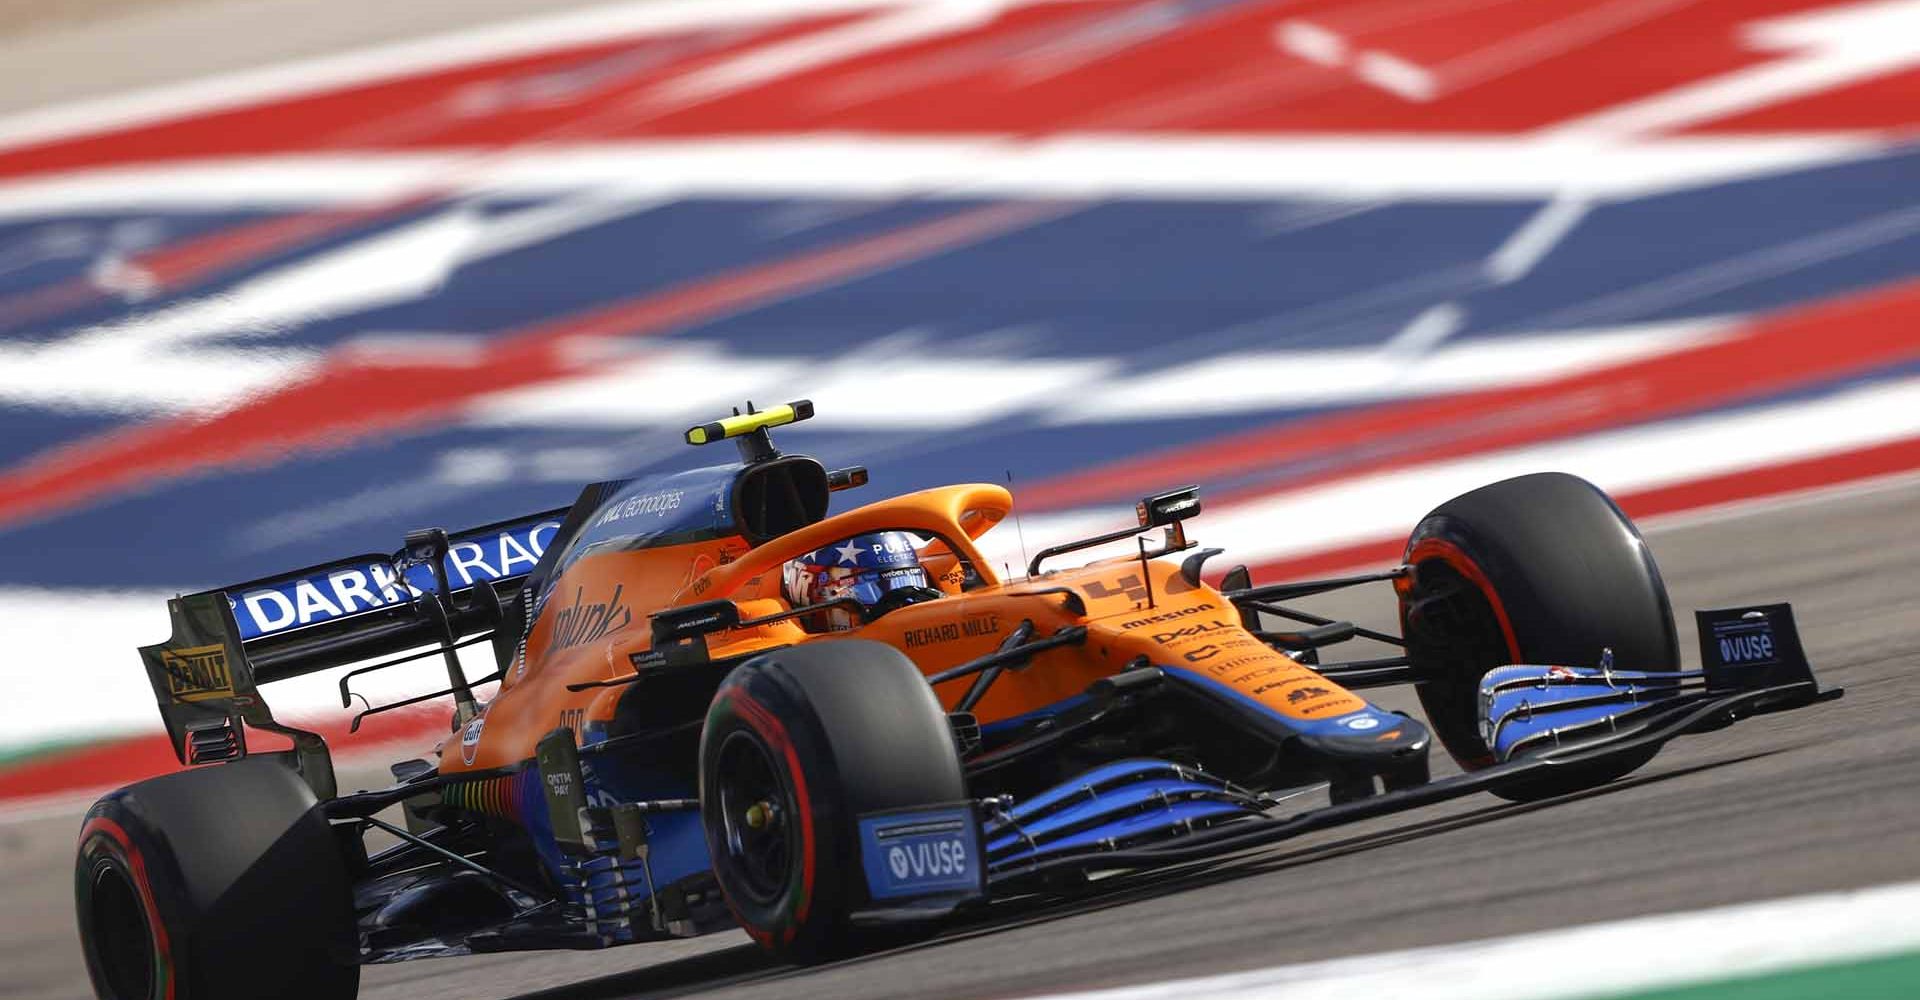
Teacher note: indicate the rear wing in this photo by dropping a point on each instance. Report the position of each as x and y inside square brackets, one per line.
[372, 605]
[227, 642]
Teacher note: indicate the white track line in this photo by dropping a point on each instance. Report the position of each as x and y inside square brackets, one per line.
[1818, 52]
[1071, 166]
[1536, 238]
[1595, 960]
[1311, 42]
[1769, 261]
[910, 25]
[1397, 76]
[1426, 331]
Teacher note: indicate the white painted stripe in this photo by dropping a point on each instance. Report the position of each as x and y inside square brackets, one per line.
[93, 637]
[1086, 165]
[1592, 961]
[157, 361]
[677, 383]
[671, 382]
[912, 24]
[1236, 384]
[1817, 53]
[1397, 76]
[1426, 331]
[1311, 42]
[1535, 238]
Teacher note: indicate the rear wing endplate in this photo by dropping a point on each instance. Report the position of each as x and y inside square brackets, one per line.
[227, 642]
[205, 686]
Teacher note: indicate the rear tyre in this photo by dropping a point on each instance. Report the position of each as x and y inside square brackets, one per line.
[797, 744]
[223, 882]
[1538, 569]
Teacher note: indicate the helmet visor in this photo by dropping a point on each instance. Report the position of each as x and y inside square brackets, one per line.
[869, 586]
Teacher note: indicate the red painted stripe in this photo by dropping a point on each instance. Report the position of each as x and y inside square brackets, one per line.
[116, 762]
[357, 394]
[1777, 354]
[190, 262]
[1769, 482]
[1034, 69]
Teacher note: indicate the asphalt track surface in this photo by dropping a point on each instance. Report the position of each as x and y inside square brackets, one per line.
[54, 52]
[1819, 799]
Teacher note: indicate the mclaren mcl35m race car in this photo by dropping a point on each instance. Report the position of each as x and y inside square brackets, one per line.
[718, 706]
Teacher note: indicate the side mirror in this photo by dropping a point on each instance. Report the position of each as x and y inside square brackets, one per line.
[680, 634]
[852, 477]
[675, 625]
[1168, 510]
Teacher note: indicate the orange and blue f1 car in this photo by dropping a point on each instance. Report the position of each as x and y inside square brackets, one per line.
[719, 707]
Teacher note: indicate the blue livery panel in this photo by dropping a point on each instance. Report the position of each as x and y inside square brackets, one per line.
[691, 506]
[921, 853]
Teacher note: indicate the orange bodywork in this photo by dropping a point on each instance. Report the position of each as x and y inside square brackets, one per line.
[596, 620]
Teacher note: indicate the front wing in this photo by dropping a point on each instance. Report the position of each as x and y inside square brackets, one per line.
[1544, 721]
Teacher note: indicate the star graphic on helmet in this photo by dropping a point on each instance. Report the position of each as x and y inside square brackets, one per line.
[850, 552]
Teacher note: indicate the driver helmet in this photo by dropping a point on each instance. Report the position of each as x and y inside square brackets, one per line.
[881, 570]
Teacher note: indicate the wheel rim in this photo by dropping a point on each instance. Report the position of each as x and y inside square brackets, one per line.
[756, 813]
[122, 941]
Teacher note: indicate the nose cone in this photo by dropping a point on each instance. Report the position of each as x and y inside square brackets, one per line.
[1371, 735]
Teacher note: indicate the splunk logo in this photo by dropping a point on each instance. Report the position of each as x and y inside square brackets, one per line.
[581, 623]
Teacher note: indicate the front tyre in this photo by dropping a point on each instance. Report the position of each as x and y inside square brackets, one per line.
[799, 743]
[1541, 569]
[222, 882]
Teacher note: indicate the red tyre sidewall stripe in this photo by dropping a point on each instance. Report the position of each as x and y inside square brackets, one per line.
[1452, 555]
[117, 836]
[769, 727]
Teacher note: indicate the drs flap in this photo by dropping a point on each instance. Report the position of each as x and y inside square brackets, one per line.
[362, 584]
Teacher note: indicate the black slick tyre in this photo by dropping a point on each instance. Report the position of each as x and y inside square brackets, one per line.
[798, 743]
[216, 883]
[1540, 569]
